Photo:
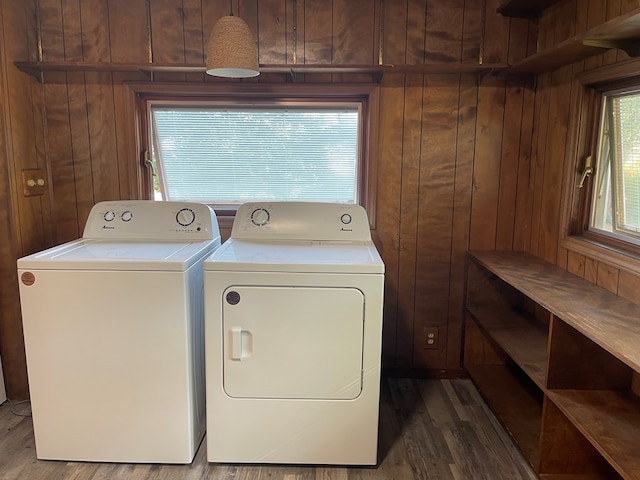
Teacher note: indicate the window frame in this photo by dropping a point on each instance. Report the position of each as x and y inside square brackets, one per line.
[365, 94]
[306, 105]
[585, 128]
[606, 118]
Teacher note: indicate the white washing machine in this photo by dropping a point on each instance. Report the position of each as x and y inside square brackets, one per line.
[113, 328]
[293, 326]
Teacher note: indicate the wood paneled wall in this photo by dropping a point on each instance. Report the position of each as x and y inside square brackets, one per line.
[557, 100]
[463, 158]
[25, 222]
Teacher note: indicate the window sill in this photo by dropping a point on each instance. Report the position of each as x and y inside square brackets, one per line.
[617, 257]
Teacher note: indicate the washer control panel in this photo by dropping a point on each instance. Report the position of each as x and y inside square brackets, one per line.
[301, 221]
[146, 219]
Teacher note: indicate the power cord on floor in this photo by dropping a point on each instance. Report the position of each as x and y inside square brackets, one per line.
[13, 405]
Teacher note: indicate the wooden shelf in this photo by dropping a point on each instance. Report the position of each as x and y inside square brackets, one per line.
[446, 67]
[586, 365]
[610, 420]
[149, 69]
[520, 339]
[621, 32]
[38, 69]
[599, 315]
[524, 8]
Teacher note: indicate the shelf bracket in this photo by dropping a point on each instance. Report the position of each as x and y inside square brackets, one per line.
[147, 73]
[482, 74]
[34, 72]
[630, 46]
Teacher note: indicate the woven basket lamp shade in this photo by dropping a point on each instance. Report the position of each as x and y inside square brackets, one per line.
[231, 51]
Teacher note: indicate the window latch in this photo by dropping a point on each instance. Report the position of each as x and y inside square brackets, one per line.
[148, 162]
[588, 170]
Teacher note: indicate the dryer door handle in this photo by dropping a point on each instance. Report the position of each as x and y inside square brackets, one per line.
[236, 343]
[241, 343]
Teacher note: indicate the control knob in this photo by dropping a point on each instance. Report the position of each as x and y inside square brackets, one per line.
[185, 217]
[260, 217]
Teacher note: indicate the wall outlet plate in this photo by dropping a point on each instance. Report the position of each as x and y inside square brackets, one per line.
[430, 337]
[33, 182]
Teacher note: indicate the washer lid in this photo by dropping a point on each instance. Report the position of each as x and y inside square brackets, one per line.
[299, 257]
[94, 254]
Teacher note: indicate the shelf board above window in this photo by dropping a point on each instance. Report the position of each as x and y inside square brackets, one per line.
[38, 69]
[622, 32]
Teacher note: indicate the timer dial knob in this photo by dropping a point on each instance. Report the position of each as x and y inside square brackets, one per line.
[126, 216]
[260, 217]
[109, 216]
[185, 217]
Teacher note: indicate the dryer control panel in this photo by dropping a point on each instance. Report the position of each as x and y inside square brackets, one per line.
[148, 219]
[301, 221]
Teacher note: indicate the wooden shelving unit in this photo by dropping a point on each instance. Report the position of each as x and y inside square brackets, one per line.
[149, 70]
[558, 361]
[621, 32]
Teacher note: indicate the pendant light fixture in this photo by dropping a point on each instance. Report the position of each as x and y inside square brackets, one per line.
[232, 51]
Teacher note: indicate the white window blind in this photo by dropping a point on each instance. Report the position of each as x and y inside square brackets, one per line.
[616, 201]
[626, 111]
[230, 155]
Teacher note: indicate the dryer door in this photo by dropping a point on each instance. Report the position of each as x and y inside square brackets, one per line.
[293, 342]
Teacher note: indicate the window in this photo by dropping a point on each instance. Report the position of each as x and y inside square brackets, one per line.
[602, 214]
[615, 207]
[228, 144]
[226, 155]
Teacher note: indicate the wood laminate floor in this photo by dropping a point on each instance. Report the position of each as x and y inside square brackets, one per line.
[429, 429]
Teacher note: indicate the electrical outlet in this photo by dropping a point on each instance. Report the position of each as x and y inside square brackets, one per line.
[33, 182]
[430, 336]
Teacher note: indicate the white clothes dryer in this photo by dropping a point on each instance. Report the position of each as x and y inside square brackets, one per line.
[113, 328]
[293, 325]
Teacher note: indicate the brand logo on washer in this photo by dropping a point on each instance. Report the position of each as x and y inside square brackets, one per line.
[28, 278]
